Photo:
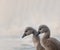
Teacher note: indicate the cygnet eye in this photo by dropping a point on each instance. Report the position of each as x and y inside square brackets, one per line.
[26, 31]
[39, 28]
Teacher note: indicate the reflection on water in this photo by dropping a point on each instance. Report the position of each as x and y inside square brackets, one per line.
[14, 44]
[31, 48]
[25, 47]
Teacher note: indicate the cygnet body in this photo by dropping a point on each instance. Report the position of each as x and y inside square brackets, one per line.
[36, 39]
[47, 42]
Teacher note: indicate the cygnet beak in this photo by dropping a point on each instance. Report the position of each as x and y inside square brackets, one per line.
[23, 35]
[38, 33]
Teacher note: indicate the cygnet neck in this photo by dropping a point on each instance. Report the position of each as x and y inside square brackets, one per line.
[36, 41]
[46, 34]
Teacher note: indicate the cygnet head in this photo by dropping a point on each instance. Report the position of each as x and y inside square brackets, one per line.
[28, 31]
[43, 29]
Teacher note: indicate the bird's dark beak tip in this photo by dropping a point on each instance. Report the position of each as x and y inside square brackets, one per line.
[23, 36]
[38, 33]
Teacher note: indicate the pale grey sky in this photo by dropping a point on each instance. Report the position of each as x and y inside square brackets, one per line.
[15, 15]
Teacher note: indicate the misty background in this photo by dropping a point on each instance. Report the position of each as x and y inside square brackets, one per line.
[16, 15]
